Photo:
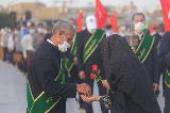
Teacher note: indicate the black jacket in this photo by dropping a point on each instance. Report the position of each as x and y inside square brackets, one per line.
[164, 57]
[43, 71]
[152, 62]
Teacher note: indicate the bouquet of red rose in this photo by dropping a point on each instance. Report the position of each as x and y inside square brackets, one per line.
[95, 73]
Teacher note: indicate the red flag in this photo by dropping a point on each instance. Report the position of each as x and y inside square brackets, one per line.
[166, 13]
[152, 29]
[79, 21]
[112, 20]
[101, 14]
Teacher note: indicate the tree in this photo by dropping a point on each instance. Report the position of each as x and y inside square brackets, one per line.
[6, 20]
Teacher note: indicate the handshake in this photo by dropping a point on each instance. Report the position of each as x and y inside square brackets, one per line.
[85, 89]
[86, 93]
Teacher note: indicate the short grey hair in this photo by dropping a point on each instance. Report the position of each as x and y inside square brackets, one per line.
[62, 25]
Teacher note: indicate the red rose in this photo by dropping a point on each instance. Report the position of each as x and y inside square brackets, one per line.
[92, 76]
[94, 67]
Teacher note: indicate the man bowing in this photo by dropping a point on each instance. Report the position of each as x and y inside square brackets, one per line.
[48, 85]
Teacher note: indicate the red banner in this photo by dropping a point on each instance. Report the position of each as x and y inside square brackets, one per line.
[79, 21]
[166, 13]
[101, 14]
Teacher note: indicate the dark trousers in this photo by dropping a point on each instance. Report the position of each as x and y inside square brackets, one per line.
[4, 53]
[167, 104]
[9, 56]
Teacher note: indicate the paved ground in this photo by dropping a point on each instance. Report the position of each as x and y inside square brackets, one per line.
[12, 89]
[13, 92]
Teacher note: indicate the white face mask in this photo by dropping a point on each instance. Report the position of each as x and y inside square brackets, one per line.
[91, 24]
[139, 27]
[91, 31]
[64, 46]
[108, 32]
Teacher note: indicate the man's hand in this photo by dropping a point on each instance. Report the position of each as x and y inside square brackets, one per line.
[90, 99]
[83, 89]
[82, 75]
[105, 84]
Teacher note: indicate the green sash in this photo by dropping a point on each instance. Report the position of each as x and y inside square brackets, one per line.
[43, 103]
[92, 44]
[145, 47]
[167, 78]
[68, 63]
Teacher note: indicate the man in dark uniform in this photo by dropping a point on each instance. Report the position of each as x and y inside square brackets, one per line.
[146, 49]
[94, 37]
[164, 55]
[48, 85]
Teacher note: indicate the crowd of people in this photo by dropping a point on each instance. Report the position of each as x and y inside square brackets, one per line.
[61, 62]
[18, 43]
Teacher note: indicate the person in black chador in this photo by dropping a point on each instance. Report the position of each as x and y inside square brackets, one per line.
[48, 85]
[164, 55]
[126, 78]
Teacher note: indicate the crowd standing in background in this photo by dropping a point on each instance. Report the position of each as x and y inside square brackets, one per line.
[17, 44]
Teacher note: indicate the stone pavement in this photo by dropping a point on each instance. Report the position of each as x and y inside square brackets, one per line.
[12, 89]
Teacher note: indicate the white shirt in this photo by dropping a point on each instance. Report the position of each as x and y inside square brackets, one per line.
[49, 41]
[10, 42]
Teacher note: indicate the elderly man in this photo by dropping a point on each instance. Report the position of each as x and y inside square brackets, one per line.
[48, 85]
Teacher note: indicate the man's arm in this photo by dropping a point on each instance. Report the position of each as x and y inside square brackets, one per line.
[46, 74]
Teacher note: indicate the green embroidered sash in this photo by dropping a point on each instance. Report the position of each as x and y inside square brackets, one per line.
[92, 44]
[68, 63]
[145, 47]
[43, 103]
[167, 78]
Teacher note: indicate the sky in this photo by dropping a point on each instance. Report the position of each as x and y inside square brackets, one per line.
[141, 4]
